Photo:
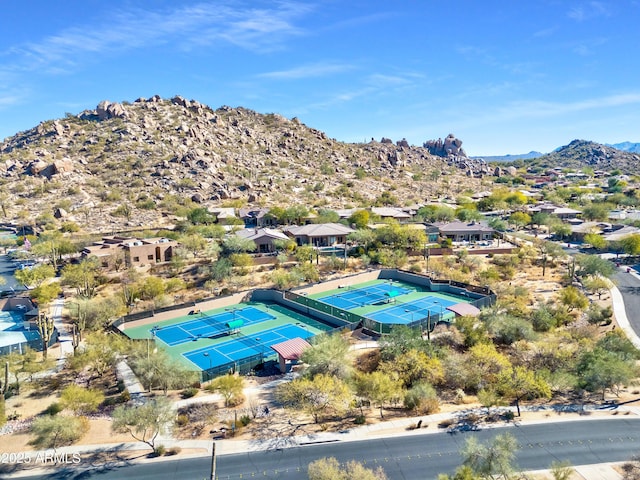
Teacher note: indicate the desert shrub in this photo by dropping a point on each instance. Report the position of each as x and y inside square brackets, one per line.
[189, 392]
[173, 451]
[125, 396]
[422, 398]
[54, 409]
[360, 420]
[159, 451]
[543, 318]
[245, 420]
[182, 420]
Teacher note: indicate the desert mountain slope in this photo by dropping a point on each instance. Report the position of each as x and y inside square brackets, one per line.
[140, 164]
[582, 153]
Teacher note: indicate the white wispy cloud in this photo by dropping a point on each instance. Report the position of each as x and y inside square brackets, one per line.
[589, 10]
[308, 71]
[204, 24]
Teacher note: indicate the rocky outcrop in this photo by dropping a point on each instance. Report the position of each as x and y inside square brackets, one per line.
[165, 152]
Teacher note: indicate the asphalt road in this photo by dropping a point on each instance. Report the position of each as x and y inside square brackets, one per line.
[421, 456]
[7, 268]
[629, 287]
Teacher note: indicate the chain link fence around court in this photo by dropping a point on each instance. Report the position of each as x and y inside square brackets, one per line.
[243, 367]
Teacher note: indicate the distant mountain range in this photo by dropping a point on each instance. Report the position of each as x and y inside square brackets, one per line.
[510, 157]
[624, 147]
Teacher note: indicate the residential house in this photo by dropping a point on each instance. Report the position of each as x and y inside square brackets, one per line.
[264, 238]
[466, 231]
[392, 213]
[224, 215]
[319, 234]
[562, 213]
[133, 252]
[618, 232]
[256, 217]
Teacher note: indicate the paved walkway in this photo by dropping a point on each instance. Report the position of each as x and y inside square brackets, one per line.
[65, 339]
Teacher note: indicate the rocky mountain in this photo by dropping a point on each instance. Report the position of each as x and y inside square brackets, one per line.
[144, 164]
[582, 153]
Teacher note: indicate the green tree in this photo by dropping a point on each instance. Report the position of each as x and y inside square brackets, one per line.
[518, 382]
[43, 296]
[53, 245]
[83, 276]
[401, 340]
[363, 237]
[519, 219]
[594, 265]
[360, 219]
[596, 240]
[596, 212]
[331, 469]
[230, 387]
[328, 355]
[151, 287]
[318, 396]
[143, 422]
[547, 250]
[422, 398]
[573, 299]
[437, 213]
[53, 431]
[412, 366]
[22, 365]
[201, 216]
[379, 388]
[305, 253]
[194, 243]
[487, 362]
[493, 459]
[98, 355]
[235, 244]
[221, 269]
[600, 370]
[561, 230]
[35, 276]
[597, 284]
[631, 244]
[82, 401]
[156, 369]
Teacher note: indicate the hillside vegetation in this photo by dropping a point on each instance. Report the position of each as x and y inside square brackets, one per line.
[142, 163]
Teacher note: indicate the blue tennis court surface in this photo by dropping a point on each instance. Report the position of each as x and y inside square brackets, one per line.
[405, 313]
[241, 346]
[205, 326]
[360, 297]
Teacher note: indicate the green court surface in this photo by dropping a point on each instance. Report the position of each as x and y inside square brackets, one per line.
[416, 293]
[277, 319]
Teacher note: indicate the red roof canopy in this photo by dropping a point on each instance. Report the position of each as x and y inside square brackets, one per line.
[291, 349]
[464, 309]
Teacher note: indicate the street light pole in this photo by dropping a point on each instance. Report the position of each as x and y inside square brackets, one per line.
[206, 354]
[213, 461]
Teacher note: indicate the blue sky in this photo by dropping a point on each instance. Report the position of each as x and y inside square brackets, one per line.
[505, 77]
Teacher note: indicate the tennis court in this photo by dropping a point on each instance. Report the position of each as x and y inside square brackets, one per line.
[243, 346]
[406, 313]
[359, 297]
[210, 326]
